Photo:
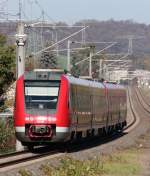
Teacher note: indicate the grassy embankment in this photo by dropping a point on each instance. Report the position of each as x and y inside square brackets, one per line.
[118, 164]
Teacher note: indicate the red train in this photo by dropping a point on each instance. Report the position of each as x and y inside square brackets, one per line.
[52, 107]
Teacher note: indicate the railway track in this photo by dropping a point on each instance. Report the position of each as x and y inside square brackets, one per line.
[142, 100]
[3, 156]
[143, 97]
[135, 119]
[10, 160]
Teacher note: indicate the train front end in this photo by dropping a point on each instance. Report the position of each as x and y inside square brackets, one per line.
[41, 108]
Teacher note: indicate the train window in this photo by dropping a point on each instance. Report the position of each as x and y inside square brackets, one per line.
[41, 99]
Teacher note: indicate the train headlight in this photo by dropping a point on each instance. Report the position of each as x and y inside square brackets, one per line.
[31, 119]
[27, 118]
[51, 119]
[41, 118]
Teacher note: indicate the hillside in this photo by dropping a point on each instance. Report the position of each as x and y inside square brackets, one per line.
[104, 31]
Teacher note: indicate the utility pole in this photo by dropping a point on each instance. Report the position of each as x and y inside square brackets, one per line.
[100, 68]
[56, 40]
[20, 62]
[130, 39]
[4, 9]
[90, 60]
[20, 41]
[42, 45]
[68, 55]
[105, 70]
[20, 9]
[83, 35]
[20, 57]
[130, 47]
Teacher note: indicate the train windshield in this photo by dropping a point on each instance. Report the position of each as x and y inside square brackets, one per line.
[41, 97]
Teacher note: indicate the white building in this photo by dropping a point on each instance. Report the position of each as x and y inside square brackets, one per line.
[117, 75]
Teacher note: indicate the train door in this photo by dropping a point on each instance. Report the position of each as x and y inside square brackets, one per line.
[122, 109]
[119, 106]
[97, 107]
[73, 107]
[104, 108]
[92, 108]
[89, 108]
[109, 107]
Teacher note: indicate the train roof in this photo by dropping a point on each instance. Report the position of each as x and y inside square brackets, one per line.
[49, 70]
[43, 74]
[55, 74]
[89, 83]
[114, 86]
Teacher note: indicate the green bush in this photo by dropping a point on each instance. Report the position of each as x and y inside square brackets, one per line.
[7, 135]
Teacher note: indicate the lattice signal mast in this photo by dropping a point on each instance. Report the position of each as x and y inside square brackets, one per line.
[130, 39]
[4, 9]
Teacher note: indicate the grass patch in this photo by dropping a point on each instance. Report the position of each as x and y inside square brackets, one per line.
[123, 164]
[71, 167]
[24, 172]
[120, 164]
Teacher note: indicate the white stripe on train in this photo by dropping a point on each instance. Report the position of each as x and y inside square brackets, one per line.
[21, 129]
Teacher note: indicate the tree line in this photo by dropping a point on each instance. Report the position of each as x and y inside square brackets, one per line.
[7, 64]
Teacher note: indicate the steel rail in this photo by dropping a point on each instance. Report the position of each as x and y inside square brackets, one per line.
[20, 158]
[142, 96]
[132, 110]
[139, 98]
[3, 156]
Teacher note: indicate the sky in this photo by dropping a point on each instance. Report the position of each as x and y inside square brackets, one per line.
[71, 11]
